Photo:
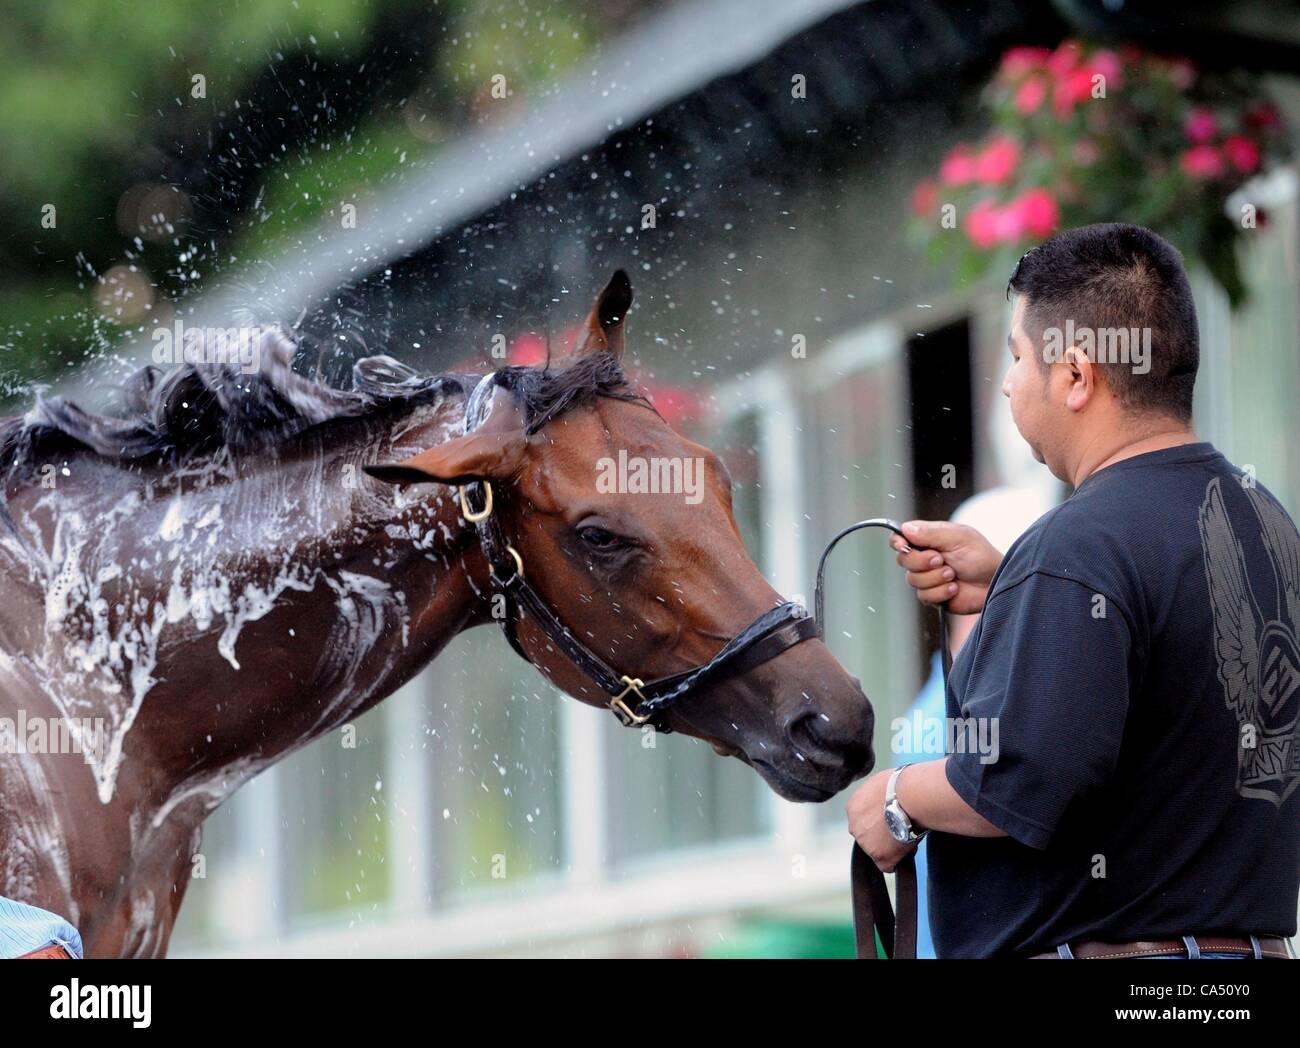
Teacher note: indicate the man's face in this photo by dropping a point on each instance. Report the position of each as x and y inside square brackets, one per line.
[1026, 386]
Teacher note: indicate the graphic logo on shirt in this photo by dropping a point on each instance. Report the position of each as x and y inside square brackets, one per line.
[1255, 645]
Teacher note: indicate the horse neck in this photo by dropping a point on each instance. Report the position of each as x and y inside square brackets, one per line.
[266, 601]
[369, 590]
[297, 594]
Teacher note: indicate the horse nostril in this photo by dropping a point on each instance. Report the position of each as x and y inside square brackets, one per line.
[813, 733]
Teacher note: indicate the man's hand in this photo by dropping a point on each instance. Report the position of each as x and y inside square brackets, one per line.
[947, 564]
[866, 811]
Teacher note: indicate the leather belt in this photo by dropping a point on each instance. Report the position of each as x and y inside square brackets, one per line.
[1271, 947]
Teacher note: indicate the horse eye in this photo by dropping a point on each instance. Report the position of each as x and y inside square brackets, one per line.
[599, 538]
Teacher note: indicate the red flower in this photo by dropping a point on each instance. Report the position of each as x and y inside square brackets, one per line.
[1076, 79]
[1202, 162]
[1108, 65]
[1242, 153]
[924, 198]
[1021, 60]
[527, 350]
[998, 161]
[958, 167]
[1065, 58]
[1036, 212]
[1200, 126]
[1073, 88]
[1263, 115]
[1030, 95]
[983, 224]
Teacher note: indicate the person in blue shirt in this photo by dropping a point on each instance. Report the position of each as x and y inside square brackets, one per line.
[27, 931]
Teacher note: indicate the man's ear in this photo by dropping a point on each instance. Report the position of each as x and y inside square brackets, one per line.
[603, 329]
[1085, 387]
[478, 456]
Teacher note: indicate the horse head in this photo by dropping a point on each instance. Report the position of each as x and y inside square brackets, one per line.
[624, 529]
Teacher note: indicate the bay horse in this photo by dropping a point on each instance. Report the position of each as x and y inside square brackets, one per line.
[210, 579]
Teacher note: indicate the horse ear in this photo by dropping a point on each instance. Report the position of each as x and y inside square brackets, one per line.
[478, 456]
[603, 330]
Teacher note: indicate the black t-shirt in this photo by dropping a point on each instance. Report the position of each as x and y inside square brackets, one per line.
[1138, 656]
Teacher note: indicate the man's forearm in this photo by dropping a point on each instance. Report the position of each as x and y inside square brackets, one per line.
[930, 801]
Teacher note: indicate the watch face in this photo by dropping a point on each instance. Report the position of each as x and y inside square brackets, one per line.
[898, 828]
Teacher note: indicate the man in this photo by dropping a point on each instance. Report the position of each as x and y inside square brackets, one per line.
[1137, 649]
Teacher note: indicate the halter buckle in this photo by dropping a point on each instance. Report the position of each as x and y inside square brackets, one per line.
[474, 516]
[519, 566]
[621, 709]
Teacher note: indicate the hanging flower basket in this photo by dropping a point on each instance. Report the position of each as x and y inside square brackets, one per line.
[1087, 134]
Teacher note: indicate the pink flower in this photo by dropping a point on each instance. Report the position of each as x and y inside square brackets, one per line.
[924, 198]
[1065, 58]
[527, 350]
[1030, 95]
[1200, 125]
[1036, 212]
[1202, 162]
[1021, 60]
[1108, 65]
[958, 167]
[982, 224]
[1071, 89]
[1242, 153]
[998, 161]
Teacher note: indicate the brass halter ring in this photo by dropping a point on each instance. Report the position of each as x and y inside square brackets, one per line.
[519, 561]
[483, 514]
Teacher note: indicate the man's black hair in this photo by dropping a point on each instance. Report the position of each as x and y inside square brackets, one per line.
[1118, 276]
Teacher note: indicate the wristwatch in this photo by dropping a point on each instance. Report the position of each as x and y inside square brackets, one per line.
[900, 826]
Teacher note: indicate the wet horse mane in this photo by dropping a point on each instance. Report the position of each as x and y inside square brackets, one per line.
[201, 408]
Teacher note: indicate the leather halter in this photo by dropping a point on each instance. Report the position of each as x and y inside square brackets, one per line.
[633, 700]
